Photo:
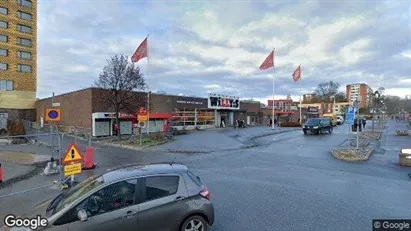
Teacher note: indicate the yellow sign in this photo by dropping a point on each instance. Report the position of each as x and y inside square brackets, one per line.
[72, 155]
[142, 118]
[72, 169]
[52, 115]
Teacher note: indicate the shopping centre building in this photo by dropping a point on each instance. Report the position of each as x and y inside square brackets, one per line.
[87, 109]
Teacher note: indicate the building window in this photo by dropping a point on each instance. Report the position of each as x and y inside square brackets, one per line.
[4, 24]
[24, 42]
[23, 55]
[24, 15]
[24, 68]
[4, 66]
[183, 117]
[6, 85]
[25, 3]
[4, 52]
[205, 117]
[4, 38]
[4, 11]
[23, 28]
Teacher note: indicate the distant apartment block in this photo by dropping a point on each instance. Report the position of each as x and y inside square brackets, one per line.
[362, 91]
[309, 97]
[282, 105]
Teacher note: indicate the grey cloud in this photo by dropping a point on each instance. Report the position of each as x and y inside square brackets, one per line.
[100, 38]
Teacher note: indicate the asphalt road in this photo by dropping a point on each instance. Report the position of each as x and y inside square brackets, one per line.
[291, 182]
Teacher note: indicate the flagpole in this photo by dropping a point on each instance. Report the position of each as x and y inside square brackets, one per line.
[301, 99]
[148, 90]
[273, 109]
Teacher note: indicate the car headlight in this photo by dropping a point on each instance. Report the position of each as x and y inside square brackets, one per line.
[316, 127]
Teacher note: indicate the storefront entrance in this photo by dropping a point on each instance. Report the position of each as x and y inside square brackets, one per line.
[224, 119]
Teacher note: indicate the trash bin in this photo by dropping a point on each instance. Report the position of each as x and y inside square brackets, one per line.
[405, 157]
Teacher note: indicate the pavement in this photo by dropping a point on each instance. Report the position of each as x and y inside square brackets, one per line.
[287, 182]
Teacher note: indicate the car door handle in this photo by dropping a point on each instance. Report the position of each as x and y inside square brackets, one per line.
[129, 214]
[179, 198]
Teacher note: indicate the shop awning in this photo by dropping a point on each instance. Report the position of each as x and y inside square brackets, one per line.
[160, 115]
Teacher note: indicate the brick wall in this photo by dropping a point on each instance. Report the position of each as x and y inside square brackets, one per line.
[363, 94]
[250, 106]
[75, 108]
[100, 103]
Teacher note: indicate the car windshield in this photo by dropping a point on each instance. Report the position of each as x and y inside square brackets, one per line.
[313, 122]
[77, 192]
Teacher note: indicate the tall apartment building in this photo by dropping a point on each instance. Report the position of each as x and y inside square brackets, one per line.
[361, 90]
[18, 55]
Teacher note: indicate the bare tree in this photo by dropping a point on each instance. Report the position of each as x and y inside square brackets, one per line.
[325, 91]
[393, 104]
[340, 97]
[121, 79]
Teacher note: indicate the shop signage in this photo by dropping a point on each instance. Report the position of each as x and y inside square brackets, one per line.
[192, 102]
[216, 101]
[313, 109]
[142, 114]
[120, 116]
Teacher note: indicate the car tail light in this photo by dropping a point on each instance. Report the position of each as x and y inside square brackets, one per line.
[205, 193]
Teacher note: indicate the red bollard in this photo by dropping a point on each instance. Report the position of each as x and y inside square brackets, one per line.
[89, 159]
[1, 174]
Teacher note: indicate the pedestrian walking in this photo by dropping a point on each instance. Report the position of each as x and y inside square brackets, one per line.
[364, 122]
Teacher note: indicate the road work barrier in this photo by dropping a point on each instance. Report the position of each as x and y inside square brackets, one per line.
[51, 167]
[89, 159]
[1, 174]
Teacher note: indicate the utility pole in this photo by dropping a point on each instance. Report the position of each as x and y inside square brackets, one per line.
[358, 102]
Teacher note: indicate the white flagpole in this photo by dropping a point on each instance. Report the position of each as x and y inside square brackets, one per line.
[273, 109]
[301, 99]
[148, 90]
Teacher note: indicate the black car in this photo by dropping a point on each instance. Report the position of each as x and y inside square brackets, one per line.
[318, 126]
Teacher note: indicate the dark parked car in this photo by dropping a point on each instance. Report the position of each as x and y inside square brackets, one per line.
[318, 126]
[141, 197]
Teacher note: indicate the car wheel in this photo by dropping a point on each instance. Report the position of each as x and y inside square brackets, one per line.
[305, 132]
[194, 223]
[330, 130]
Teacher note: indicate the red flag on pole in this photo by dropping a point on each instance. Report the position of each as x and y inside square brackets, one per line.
[141, 52]
[297, 74]
[268, 62]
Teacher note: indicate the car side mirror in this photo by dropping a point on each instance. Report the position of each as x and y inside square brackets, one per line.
[82, 215]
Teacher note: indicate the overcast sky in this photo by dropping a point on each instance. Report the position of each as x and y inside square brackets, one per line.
[216, 47]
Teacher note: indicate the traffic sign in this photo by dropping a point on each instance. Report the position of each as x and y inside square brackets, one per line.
[53, 114]
[142, 124]
[142, 118]
[142, 111]
[72, 169]
[350, 115]
[72, 155]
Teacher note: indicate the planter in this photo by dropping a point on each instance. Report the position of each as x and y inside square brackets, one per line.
[405, 157]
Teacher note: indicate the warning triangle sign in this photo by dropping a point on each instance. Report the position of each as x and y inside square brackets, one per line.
[72, 155]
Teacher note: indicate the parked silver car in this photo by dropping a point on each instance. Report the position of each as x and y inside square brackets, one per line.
[142, 197]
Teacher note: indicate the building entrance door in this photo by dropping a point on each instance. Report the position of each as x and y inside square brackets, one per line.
[224, 119]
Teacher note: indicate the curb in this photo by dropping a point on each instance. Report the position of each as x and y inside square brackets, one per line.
[131, 147]
[38, 168]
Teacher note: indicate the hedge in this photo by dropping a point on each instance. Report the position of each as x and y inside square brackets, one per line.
[290, 124]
